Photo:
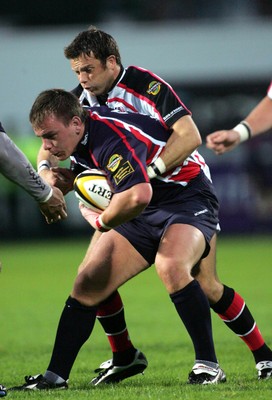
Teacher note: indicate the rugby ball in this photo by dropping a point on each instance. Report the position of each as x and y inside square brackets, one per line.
[92, 189]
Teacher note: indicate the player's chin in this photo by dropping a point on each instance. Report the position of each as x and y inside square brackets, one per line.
[62, 156]
[93, 91]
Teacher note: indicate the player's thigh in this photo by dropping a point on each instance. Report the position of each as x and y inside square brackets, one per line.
[181, 247]
[95, 237]
[112, 262]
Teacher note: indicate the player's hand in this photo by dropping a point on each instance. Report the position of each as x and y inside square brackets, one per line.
[54, 209]
[88, 214]
[62, 178]
[222, 141]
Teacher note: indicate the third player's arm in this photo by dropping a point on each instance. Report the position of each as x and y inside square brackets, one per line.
[260, 118]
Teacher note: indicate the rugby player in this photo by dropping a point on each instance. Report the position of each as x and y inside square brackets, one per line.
[168, 221]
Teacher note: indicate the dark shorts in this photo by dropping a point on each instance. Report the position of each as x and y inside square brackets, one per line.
[195, 205]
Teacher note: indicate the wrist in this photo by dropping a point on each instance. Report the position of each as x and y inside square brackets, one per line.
[44, 164]
[244, 131]
[100, 225]
[156, 168]
[48, 197]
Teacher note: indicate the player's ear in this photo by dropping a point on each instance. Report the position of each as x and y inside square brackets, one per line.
[111, 61]
[77, 123]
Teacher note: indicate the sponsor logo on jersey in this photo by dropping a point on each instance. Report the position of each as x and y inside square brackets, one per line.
[154, 87]
[172, 113]
[85, 139]
[114, 162]
[200, 212]
[124, 170]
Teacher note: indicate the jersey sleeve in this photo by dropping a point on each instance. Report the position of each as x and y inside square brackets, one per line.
[15, 166]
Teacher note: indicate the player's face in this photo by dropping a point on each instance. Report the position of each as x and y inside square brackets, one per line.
[59, 139]
[93, 76]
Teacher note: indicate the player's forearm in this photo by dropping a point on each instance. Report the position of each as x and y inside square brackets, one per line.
[45, 160]
[184, 139]
[260, 118]
[127, 205]
[15, 166]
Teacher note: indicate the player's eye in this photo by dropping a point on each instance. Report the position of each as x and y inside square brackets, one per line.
[89, 70]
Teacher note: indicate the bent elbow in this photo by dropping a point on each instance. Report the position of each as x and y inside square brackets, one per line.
[142, 196]
[198, 141]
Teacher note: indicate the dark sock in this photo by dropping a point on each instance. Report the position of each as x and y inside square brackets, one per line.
[75, 326]
[193, 308]
[233, 310]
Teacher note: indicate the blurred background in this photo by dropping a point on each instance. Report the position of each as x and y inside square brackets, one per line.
[215, 53]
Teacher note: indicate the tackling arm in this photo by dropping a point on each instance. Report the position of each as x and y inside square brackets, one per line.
[15, 166]
[184, 139]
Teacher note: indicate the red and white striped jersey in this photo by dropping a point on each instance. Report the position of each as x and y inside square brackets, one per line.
[140, 91]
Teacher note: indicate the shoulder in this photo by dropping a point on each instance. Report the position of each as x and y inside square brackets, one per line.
[145, 82]
[133, 73]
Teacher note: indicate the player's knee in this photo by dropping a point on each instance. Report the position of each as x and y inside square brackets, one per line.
[174, 276]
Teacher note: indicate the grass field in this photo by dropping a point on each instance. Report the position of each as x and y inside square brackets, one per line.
[36, 280]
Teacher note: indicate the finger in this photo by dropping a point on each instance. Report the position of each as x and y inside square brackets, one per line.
[63, 214]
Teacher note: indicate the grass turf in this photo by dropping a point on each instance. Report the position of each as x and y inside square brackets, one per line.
[37, 278]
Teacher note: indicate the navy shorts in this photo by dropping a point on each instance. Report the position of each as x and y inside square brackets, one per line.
[195, 205]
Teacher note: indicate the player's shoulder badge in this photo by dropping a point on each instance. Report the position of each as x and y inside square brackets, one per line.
[154, 87]
[119, 168]
[114, 162]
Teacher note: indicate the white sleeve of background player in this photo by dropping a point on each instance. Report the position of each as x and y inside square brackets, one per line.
[269, 91]
[15, 166]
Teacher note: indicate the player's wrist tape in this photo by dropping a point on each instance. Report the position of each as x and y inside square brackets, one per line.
[156, 168]
[48, 197]
[44, 164]
[244, 130]
[100, 225]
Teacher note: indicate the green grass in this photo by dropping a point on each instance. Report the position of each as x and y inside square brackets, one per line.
[37, 278]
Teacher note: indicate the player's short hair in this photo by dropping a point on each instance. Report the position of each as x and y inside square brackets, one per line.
[64, 105]
[100, 43]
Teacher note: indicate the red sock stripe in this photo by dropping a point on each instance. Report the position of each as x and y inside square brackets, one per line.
[253, 339]
[114, 306]
[120, 342]
[234, 309]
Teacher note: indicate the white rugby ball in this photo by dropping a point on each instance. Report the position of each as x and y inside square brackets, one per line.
[92, 189]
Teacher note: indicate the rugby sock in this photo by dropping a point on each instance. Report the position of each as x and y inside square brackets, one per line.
[75, 326]
[193, 308]
[111, 316]
[233, 310]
